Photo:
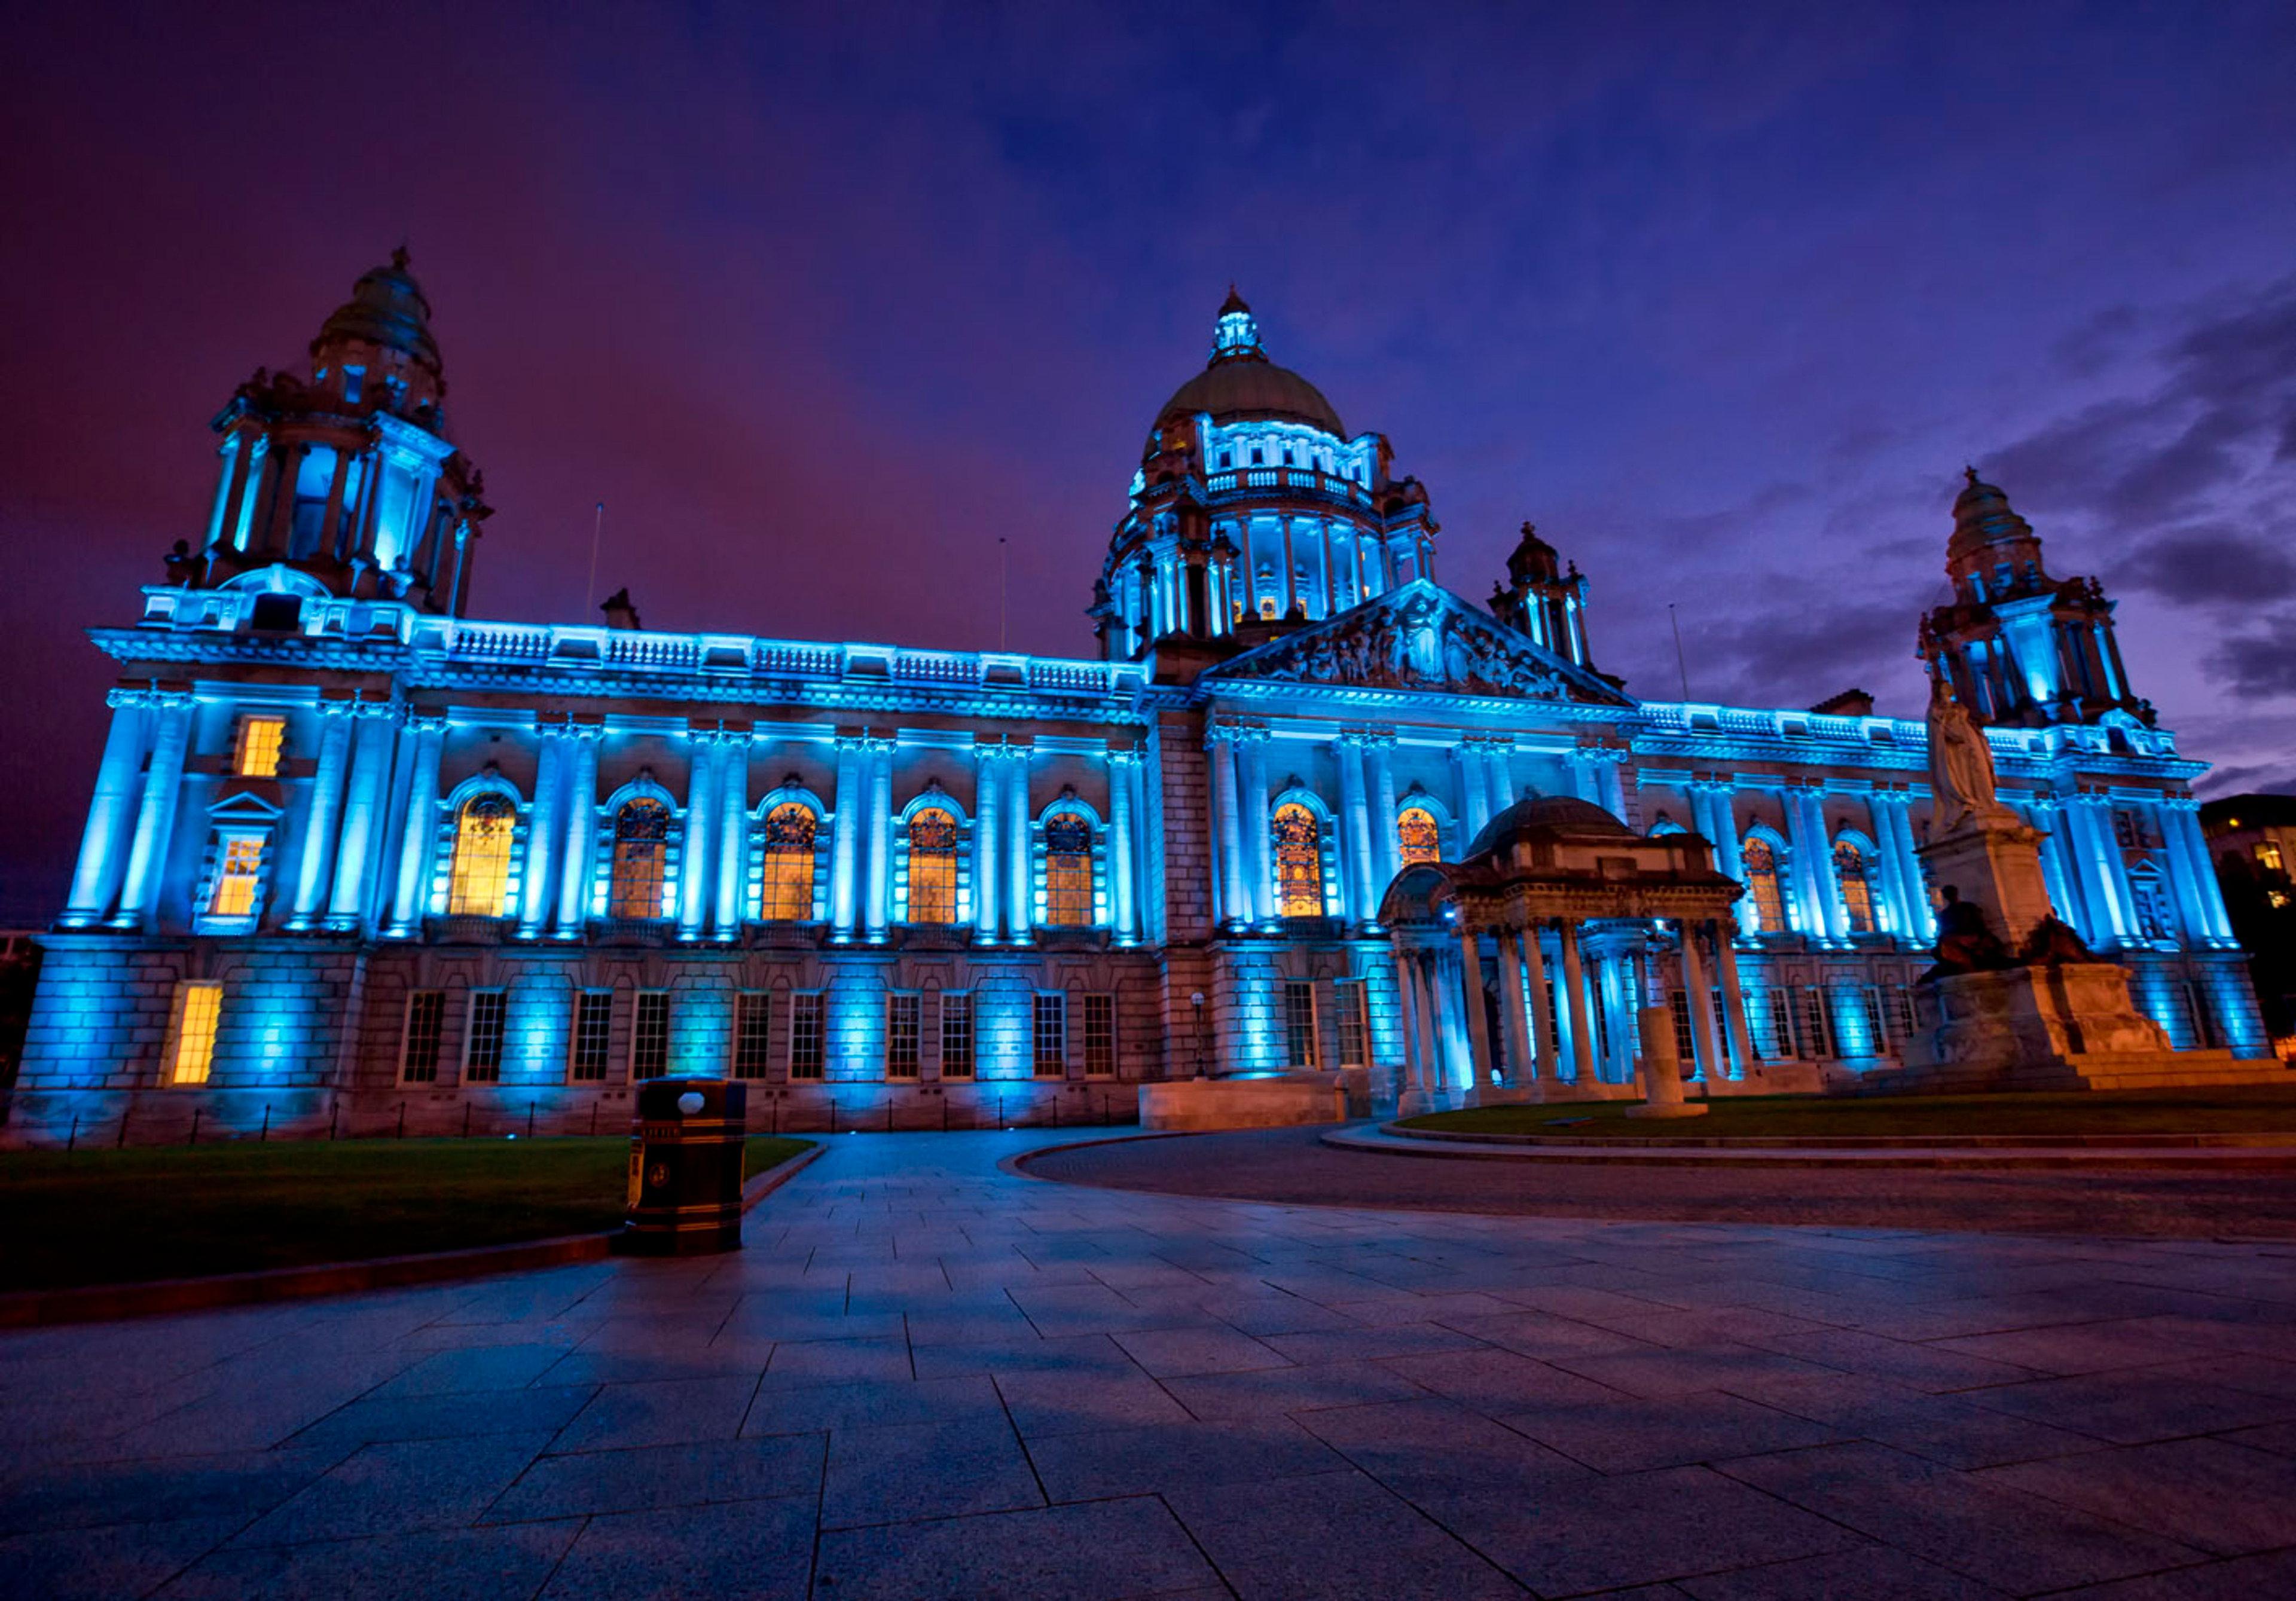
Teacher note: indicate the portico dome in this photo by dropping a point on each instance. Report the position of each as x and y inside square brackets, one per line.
[1548, 816]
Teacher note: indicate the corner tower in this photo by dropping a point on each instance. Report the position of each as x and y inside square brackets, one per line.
[1252, 505]
[2020, 647]
[347, 475]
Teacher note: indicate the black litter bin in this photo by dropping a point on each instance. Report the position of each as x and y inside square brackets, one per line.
[686, 1168]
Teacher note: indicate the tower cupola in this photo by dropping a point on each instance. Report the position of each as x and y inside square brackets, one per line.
[1542, 600]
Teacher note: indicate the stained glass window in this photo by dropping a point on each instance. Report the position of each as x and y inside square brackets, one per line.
[1068, 868]
[933, 866]
[641, 852]
[479, 885]
[1418, 838]
[790, 829]
[1299, 862]
[1857, 886]
[1762, 868]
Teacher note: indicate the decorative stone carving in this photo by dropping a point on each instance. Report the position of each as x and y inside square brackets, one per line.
[1961, 766]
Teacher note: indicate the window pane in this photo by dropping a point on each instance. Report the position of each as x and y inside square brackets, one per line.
[1299, 862]
[1349, 994]
[199, 1007]
[787, 895]
[593, 1022]
[641, 848]
[426, 1021]
[955, 1035]
[261, 739]
[480, 885]
[238, 874]
[650, 1035]
[1100, 1036]
[1049, 1050]
[901, 1022]
[1299, 1023]
[482, 1046]
[1761, 870]
[805, 1036]
[752, 1018]
[1068, 870]
[932, 866]
[1857, 887]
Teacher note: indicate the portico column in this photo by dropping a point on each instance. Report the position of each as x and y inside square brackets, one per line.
[1377, 749]
[1229, 900]
[1498, 779]
[319, 823]
[1808, 847]
[693, 860]
[1611, 781]
[410, 899]
[1406, 999]
[580, 843]
[733, 837]
[1470, 995]
[1582, 1020]
[1473, 792]
[1889, 897]
[155, 814]
[1544, 1050]
[1717, 821]
[1700, 996]
[2102, 872]
[1258, 849]
[1021, 878]
[1433, 1070]
[1734, 1004]
[987, 783]
[1355, 832]
[1120, 764]
[544, 824]
[2182, 816]
[103, 844]
[2182, 876]
[879, 758]
[1513, 1021]
[845, 842]
[1917, 893]
[352, 902]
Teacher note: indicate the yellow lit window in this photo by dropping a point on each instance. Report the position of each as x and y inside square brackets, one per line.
[790, 829]
[199, 1006]
[260, 739]
[237, 876]
[480, 885]
[1857, 887]
[1417, 837]
[1299, 862]
[1068, 870]
[2268, 857]
[1761, 869]
[932, 866]
[641, 848]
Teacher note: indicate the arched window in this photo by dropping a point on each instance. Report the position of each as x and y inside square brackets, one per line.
[1068, 869]
[1418, 837]
[640, 854]
[479, 886]
[1299, 862]
[1857, 885]
[787, 894]
[1762, 868]
[933, 866]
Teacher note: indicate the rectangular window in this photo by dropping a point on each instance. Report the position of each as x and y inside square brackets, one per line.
[239, 872]
[198, 1009]
[650, 1035]
[261, 739]
[1049, 1045]
[1901, 1013]
[1100, 1036]
[354, 381]
[1877, 1025]
[1774, 1039]
[418, 1051]
[1351, 999]
[805, 1035]
[482, 1045]
[1685, 1043]
[955, 1035]
[593, 1024]
[752, 1015]
[1299, 1022]
[901, 1024]
[1817, 1040]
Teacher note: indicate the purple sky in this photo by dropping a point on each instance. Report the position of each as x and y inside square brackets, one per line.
[1722, 296]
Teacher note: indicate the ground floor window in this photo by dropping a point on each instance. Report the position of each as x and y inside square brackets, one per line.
[650, 1035]
[1774, 1039]
[1815, 1040]
[1100, 1036]
[482, 1042]
[1299, 1023]
[955, 1035]
[752, 1015]
[1685, 1044]
[198, 1009]
[1349, 1000]
[593, 1022]
[418, 1050]
[1049, 1051]
[902, 1016]
[805, 1035]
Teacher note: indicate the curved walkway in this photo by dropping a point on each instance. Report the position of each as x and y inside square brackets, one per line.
[2201, 1152]
[926, 1376]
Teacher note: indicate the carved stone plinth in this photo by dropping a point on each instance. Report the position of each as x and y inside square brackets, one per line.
[1996, 866]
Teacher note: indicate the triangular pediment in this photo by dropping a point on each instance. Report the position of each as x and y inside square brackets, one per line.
[245, 806]
[1419, 638]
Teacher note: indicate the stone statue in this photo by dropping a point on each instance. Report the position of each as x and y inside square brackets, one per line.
[1961, 766]
[1966, 942]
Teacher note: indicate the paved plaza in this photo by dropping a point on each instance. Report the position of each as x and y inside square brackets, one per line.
[928, 1376]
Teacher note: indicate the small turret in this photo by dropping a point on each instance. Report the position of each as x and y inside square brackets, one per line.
[1542, 600]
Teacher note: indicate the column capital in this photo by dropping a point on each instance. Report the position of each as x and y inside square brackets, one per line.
[1712, 784]
[152, 699]
[1126, 756]
[2184, 803]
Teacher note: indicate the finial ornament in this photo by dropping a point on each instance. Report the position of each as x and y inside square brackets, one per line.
[1970, 473]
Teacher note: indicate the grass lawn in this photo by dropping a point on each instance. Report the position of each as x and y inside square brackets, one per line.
[114, 1217]
[2233, 1110]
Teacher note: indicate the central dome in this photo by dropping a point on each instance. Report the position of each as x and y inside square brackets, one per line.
[1552, 814]
[1241, 384]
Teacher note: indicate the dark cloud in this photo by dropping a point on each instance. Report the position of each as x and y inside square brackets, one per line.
[2258, 665]
[2210, 564]
[1797, 655]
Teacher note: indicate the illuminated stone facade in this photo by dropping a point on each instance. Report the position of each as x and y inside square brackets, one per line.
[357, 855]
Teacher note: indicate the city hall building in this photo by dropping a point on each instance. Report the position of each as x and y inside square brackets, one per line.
[360, 857]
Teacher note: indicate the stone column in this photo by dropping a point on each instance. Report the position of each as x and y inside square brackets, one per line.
[1473, 792]
[1917, 893]
[351, 904]
[1019, 868]
[1121, 765]
[878, 908]
[1470, 995]
[2183, 880]
[1888, 893]
[545, 820]
[1377, 749]
[733, 837]
[1717, 821]
[317, 856]
[1544, 1050]
[1611, 778]
[1231, 901]
[987, 783]
[1259, 849]
[1498, 777]
[845, 843]
[579, 852]
[103, 845]
[2104, 879]
[1406, 999]
[1514, 1022]
[1355, 832]
[1699, 993]
[1582, 1018]
[1734, 1004]
[1582, 776]
[1806, 846]
[2182, 816]
[2044, 814]
[1826, 883]
[418, 837]
[155, 812]
[1433, 1072]
[700, 821]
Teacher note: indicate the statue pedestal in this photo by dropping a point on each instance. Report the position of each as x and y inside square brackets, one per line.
[1996, 865]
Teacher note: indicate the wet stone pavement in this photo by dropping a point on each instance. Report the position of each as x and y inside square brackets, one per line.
[926, 1378]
